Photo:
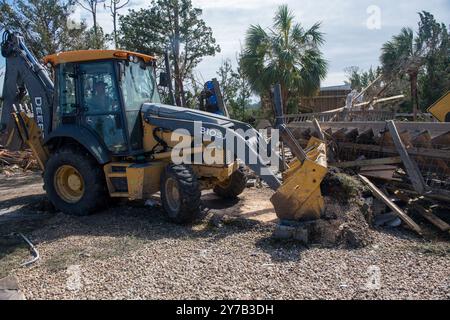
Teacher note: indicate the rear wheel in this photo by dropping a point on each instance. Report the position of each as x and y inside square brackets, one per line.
[180, 193]
[235, 185]
[74, 182]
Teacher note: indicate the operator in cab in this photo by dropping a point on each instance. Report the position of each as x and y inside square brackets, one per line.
[100, 101]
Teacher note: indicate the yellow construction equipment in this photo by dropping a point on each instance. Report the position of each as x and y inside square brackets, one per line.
[441, 109]
[300, 198]
[98, 130]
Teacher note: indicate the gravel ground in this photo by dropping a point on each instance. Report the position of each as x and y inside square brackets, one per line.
[132, 252]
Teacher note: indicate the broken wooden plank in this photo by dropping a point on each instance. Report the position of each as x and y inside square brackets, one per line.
[422, 140]
[435, 128]
[386, 139]
[384, 172]
[427, 214]
[367, 162]
[399, 212]
[410, 165]
[442, 141]
[319, 131]
[431, 153]
[367, 137]
[340, 134]
[379, 167]
[351, 135]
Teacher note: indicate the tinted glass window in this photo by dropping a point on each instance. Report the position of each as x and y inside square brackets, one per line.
[100, 103]
[67, 89]
[138, 87]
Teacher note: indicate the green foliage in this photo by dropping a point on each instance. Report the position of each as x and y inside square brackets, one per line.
[286, 54]
[236, 90]
[174, 25]
[96, 39]
[45, 24]
[114, 7]
[423, 56]
[434, 81]
[360, 79]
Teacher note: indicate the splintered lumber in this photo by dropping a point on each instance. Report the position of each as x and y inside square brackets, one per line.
[427, 214]
[441, 141]
[23, 159]
[352, 135]
[432, 153]
[340, 134]
[376, 101]
[367, 137]
[387, 140]
[368, 162]
[399, 212]
[384, 172]
[423, 140]
[411, 167]
[319, 131]
[435, 128]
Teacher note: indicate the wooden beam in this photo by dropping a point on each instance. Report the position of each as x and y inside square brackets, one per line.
[318, 129]
[399, 212]
[432, 153]
[401, 96]
[435, 128]
[427, 214]
[368, 162]
[410, 165]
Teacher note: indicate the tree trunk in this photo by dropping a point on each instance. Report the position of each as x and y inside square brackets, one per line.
[266, 105]
[285, 96]
[414, 94]
[115, 23]
[94, 18]
[179, 90]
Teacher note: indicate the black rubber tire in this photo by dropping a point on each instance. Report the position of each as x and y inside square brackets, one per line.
[95, 195]
[235, 186]
[189, 193]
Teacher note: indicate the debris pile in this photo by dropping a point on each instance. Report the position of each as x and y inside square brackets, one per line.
[405, 167]
[15, 161]
[345, 222]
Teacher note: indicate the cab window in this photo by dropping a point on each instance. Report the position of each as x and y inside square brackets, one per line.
[138, 86]
[67, 89]
[100, 103]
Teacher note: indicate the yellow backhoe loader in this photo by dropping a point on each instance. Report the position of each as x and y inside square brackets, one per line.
[99, 131]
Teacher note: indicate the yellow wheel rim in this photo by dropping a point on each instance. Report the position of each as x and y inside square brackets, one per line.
[69, 184]
[173, 194]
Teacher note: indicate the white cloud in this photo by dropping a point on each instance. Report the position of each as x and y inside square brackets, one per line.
[348, 40]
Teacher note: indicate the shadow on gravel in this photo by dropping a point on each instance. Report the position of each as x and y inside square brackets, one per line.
[128, 219]
[18, 181]
[27, 202]
[281, 250]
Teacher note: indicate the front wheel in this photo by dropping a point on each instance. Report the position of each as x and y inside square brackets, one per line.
[74, 182]
[180, 193]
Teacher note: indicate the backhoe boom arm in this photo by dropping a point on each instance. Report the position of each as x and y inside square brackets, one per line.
[24, 74]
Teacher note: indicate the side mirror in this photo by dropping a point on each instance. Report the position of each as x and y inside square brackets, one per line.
[163, 80]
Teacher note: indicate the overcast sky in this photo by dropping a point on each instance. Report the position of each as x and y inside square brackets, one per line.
[354, 30]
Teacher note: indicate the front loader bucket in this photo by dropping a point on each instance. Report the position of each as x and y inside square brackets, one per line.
[299, 197]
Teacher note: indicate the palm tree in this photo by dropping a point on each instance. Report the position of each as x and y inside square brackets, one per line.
[286, 54]
[404, 54]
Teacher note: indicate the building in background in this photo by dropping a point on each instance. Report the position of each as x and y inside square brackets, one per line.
[329, 98]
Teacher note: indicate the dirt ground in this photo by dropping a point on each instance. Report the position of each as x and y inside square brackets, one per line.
[131, 251]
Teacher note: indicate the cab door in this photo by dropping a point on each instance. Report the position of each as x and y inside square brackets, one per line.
[100, 104]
